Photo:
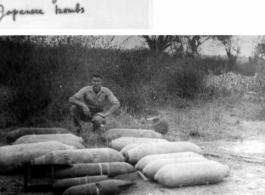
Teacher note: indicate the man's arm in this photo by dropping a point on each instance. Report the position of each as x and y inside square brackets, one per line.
[75, 101]
[112, 108]
[114, 105]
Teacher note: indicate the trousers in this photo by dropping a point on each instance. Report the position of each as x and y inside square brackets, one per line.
[78, 115]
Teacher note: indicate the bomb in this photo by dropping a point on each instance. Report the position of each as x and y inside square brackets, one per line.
[107, 187]
[132, 176]
[121, 142]
[151, 168]
[91, 169]
[127, 148]
[48, 137]
[14, 135]
[62, 185]
[95, 155]
[14, 155]
[178, 175]
[117, 133]
[77, 145]
[134, 155]
[147, 159]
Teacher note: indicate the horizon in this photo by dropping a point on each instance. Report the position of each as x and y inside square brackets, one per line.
[248, 43]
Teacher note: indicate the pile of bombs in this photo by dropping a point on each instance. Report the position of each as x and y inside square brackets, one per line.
[132, 154]
[172, 164]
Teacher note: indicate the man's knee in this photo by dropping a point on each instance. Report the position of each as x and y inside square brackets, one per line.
[98, 120]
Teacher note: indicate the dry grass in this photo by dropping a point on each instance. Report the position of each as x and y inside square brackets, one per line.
[207, 120]
[200, 119]
[203, 119]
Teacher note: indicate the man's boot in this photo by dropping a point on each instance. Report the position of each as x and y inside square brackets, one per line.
[79, 130]
[98, 128]
[94, 128]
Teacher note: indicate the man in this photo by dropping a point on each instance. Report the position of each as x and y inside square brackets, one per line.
[89, 103]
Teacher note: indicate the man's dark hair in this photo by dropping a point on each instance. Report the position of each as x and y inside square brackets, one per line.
[96, 75]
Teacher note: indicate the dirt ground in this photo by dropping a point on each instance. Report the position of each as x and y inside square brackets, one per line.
[244, 154]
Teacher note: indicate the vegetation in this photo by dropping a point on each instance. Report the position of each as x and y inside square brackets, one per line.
[38, 77]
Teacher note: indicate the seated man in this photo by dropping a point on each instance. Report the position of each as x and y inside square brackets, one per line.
[88, 104]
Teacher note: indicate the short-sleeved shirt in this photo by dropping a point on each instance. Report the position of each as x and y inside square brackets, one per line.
[98, 102]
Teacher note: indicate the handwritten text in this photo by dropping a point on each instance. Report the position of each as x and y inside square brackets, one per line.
[15, 12]
[68, 10]
[37, 11]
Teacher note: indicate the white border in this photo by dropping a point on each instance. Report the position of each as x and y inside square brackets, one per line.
[183, 17]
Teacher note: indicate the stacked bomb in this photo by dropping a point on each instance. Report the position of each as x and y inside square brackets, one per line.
[125, 139]
[93, 171]
[172, 164]
[14, 135]
[36, 135]
[103, 170]
[181, 169]
[90, 171]
[30, 143]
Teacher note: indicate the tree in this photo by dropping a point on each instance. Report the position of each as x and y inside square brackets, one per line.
[177, 49]
[159, 43]
[232, 47]
[194, 42]
[179, 45]
[260, 48]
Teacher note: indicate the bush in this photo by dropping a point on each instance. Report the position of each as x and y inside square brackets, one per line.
[246, 69]
[6, 116]
[185, 83]
[26, 78]
[215, 65]
[43, 77]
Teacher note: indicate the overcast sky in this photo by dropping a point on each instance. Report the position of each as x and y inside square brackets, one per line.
[247, 44]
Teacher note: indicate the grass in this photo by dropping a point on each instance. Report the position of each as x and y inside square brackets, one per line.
[211, 119]
[202, 119]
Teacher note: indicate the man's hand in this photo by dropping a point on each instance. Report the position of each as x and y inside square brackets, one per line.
[86, 111]
[101, 114]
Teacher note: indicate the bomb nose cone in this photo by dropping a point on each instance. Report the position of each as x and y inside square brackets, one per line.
[155, 177]
[228, 171]
[126, 156]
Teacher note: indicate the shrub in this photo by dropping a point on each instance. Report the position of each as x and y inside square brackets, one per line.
[26, 78]
[186, 83]
[43, 77]
[205, 64]
[6, 116]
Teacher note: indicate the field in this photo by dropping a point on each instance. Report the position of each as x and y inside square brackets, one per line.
[230, 130]
[209, 101]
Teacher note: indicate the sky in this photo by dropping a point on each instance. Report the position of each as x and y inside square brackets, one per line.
[247, 44]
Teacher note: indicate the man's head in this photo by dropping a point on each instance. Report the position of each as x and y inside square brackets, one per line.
[96, 81]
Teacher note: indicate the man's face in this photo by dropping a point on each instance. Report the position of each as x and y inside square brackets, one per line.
[96, 82]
